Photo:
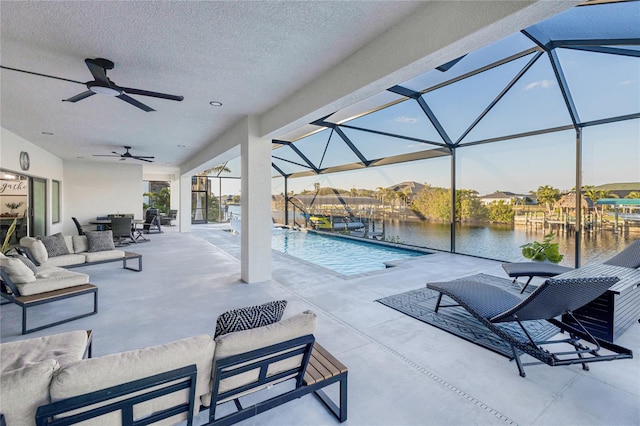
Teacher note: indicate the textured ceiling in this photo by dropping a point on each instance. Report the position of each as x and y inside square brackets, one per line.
[247, 55]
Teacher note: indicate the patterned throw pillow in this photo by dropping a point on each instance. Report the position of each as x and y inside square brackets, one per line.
[55, 245]
[250, 317]
[100, 241]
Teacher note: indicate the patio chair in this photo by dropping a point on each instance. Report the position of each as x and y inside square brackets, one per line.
[629, 258]
[492, 305]
[166, 220]
[78, 226]
[151, 220]
[121, 229]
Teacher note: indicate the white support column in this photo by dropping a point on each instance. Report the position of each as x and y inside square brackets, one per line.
[256, 205]
[184, 212]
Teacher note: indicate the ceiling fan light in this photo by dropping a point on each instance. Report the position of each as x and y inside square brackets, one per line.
[103, 90]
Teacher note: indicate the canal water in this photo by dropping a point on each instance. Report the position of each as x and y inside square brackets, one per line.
[502, 242]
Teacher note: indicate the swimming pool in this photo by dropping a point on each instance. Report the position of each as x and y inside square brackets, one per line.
[345, 256]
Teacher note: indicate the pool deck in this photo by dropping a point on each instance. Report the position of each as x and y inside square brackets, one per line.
[401, 371]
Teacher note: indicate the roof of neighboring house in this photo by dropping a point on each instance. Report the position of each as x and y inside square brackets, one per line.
[334, 199]
[503, 194]
[415, 187]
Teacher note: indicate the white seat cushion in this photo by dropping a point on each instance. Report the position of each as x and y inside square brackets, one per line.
[65, 260]
[24, 390]
[97, 256]
[52, 278]
[63, 348]
[89, 375]
[239, 342]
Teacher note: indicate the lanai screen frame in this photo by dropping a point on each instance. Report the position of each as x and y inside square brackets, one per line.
[544, 46]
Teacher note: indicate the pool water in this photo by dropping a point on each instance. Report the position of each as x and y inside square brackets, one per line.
[342, 255]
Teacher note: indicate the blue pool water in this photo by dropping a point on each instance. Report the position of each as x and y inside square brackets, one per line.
[341, 255]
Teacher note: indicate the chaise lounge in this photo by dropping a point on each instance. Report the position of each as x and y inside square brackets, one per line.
[492, 305]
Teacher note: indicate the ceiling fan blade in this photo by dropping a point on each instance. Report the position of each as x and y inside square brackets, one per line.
[135, 103]
[98, 69]
[79, 96]
[106, 155]
[41, 75]
[143, 159]
[142, 156]
[133, 91]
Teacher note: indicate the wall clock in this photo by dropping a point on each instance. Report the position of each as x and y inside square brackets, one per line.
[24, 160]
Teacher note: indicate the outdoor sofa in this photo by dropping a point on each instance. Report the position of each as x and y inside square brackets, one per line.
[41, 381]
[92, 248]
[27, 285]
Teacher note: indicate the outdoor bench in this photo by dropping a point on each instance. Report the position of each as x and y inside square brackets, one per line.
[51, 285]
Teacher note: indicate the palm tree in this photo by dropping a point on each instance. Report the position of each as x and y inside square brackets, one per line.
[214, 171]
[548, 195]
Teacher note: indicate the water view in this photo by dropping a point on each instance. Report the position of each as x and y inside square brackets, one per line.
[502, 242]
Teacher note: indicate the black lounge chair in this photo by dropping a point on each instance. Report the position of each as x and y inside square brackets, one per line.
[492, 305]
[629, 258]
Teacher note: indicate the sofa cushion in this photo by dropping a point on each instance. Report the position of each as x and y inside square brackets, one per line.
[36, 247]
[65, 260]
[250, 317]
[18, 272]
[28, 263]
[51, 278]
[99, 241]
[103, 255]
[68, 240]
[239, 342]
[80, 243]
[63, 348]
[55, 245]
[92, 374]
[25, 389]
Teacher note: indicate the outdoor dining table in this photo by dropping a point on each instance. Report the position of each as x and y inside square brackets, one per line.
[136, 234]
[617, 309]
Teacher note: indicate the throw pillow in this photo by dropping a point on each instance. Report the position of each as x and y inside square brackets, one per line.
[250, 317]
[80, 243]
[18, 272]
[37, 249]
[55, 245]
[100, 241]
[29, 264]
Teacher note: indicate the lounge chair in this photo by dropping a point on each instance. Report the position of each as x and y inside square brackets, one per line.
[629, 258]
[492, 305]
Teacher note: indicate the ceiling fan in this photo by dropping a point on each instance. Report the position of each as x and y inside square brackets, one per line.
[126, 155]
[101, 84]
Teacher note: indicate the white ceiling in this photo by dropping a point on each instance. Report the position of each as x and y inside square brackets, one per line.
[247, 55]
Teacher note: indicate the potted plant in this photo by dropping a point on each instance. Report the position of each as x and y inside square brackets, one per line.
[14, 206]
[543, 251]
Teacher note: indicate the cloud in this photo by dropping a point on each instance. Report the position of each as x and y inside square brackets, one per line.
[406, 120]
[543, 84]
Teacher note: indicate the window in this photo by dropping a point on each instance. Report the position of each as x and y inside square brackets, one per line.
[55, 201]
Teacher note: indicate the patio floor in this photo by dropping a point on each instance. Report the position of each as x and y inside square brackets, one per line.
[401, 371]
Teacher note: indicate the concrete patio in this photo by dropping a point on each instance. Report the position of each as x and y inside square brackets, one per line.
[401, 371]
